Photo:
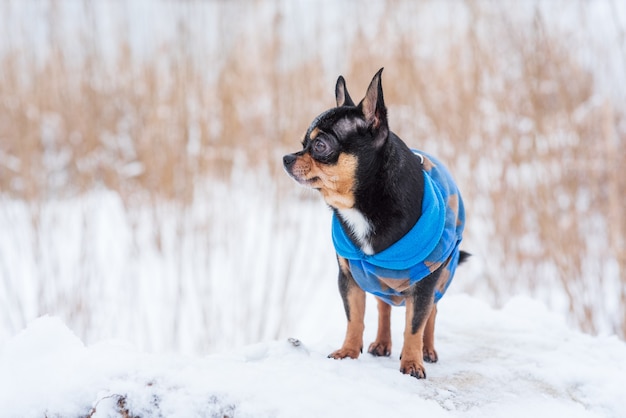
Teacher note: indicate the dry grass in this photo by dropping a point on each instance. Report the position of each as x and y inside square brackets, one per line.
[537, 148]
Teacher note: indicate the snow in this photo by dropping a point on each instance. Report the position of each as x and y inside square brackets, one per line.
[519, 361]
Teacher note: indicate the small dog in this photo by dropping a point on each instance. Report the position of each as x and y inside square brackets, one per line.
[398, 220]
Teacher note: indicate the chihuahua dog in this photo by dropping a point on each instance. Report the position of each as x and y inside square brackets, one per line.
[397, 223]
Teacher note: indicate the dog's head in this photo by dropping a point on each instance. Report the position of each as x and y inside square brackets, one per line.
[339, 143]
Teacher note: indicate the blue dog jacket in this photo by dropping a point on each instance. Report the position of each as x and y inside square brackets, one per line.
[434, 238]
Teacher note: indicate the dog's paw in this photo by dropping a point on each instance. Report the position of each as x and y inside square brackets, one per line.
[430, 355]
[413, 368]
[380, 349]
[345, 352]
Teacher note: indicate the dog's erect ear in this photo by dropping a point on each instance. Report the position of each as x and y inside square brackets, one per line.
[373, 107]
[341, 93]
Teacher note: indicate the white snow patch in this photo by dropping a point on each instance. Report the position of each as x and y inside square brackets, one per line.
[518, 361]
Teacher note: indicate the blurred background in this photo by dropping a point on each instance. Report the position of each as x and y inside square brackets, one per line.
[142, 195]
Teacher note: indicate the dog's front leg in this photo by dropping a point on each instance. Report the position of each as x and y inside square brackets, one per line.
[419, 304]
[382, 345]
[354, 303]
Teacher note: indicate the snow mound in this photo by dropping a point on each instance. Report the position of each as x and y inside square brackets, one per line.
[518, 361]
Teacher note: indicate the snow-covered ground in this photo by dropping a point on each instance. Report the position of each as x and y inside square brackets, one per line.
[516, 362]
[154, 305]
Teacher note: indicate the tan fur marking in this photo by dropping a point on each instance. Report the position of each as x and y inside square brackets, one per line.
[382, 345]
[344, 265]
[314, 133]
[335, 182]
[399, 285]
[353, 343]
[338, 182]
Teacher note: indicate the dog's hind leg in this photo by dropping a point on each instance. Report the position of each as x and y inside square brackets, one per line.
[430, 355]
[382, 345]
[419, 305]
[354, 303]
[411, 359]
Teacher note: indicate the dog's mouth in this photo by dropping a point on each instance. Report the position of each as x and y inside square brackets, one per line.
[311, 182]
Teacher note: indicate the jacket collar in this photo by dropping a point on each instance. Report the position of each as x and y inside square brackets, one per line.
[414, 247]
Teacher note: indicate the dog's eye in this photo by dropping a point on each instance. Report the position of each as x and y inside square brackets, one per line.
[320, 147]
[323, 148]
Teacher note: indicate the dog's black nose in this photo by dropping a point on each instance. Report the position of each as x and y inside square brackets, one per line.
[289, 159]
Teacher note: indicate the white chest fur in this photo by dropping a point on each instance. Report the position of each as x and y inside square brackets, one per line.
[360, 226]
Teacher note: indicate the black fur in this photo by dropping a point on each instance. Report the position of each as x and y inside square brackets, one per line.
[345, 282]
[384, 176]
